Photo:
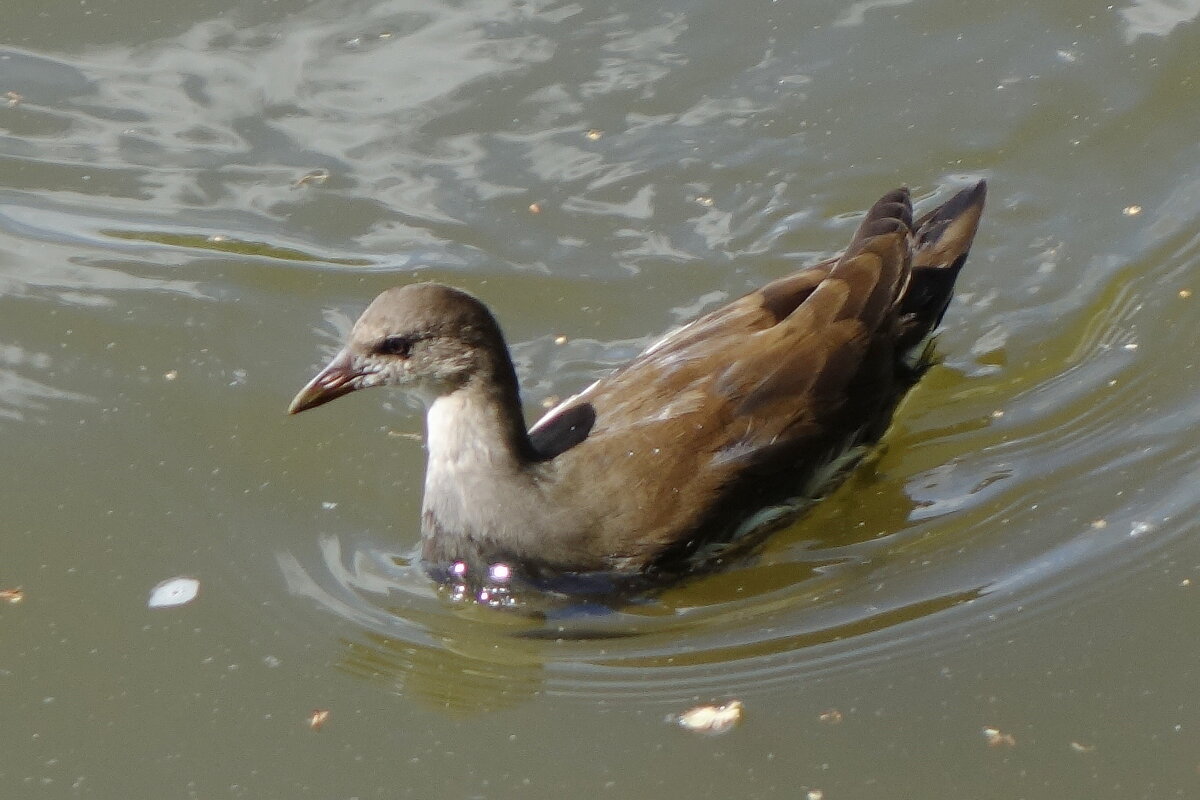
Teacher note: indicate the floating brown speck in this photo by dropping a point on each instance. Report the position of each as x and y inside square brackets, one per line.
[535, 208]
[832, 716]
[996, 738]
[317, 718]
[712, 719]
[12, 595]
[1082, 748]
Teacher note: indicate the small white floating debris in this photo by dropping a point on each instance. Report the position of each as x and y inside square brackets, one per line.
[1140, 529]
[174, 592]
[317, 718]
[1131, 211]
[711, 719]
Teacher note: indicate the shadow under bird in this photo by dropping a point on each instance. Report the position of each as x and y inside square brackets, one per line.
[720, 427]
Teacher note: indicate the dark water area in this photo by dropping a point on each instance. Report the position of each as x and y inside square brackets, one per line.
[197, 201]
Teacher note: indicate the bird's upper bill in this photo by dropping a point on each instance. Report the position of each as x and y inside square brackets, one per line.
[339, 377]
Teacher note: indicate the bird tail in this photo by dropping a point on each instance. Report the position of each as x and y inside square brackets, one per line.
[942, 239]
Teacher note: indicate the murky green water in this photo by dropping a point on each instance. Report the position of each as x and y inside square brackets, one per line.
[196, 201]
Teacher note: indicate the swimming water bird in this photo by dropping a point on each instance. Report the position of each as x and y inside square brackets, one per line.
[743, 409]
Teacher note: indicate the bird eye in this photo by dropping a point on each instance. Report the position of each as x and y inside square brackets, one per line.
[395, 346]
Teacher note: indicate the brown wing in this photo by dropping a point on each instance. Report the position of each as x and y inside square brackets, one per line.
[787, 374]
[675, 359]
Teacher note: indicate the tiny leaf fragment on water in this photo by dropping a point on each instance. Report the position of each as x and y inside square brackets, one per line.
[316, 176]
[711, 719]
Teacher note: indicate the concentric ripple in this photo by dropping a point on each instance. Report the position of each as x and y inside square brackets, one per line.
[993, 496]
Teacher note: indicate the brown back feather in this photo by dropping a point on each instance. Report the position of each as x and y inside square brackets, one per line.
[795, 370]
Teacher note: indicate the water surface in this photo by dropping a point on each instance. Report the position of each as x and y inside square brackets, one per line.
[195, 203]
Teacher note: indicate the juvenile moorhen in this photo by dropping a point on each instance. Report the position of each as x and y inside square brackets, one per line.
[710, 431]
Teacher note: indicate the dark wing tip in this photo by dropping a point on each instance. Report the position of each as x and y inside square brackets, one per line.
[896, 204]
[891, 213]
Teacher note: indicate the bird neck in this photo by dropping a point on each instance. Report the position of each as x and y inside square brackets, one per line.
[479, 427]
[478, 477]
